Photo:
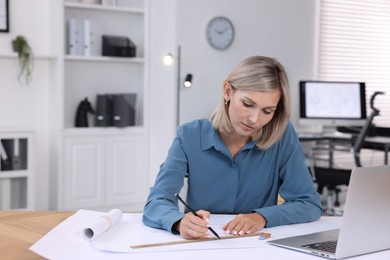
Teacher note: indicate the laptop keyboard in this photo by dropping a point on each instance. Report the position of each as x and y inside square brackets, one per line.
[327, 246]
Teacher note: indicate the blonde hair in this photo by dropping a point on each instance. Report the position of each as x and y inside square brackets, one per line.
[262, 74]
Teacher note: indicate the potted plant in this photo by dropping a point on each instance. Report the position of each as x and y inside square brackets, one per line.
[25, 56]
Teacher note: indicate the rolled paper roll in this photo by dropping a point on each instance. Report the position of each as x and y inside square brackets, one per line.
[102, 224]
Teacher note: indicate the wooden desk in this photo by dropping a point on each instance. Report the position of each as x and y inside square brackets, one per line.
[20, 229]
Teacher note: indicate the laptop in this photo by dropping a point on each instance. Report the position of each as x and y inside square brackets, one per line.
[365, 226]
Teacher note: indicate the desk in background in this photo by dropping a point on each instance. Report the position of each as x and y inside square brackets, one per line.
[378, 143]
[375, 143]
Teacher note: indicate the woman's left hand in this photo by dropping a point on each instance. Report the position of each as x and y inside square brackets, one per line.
[245, 224]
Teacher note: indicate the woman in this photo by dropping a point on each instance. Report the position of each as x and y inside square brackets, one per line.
[238, 161]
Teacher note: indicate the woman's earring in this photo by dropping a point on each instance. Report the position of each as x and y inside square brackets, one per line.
[226, 101]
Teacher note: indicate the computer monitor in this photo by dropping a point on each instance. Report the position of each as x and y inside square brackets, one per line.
[332, 103]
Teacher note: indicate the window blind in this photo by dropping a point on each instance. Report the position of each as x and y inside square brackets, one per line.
[354, 45]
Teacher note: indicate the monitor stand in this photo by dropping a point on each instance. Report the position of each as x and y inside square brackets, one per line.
[329, 129]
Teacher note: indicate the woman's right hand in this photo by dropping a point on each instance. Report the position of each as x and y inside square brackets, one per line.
[193, 227]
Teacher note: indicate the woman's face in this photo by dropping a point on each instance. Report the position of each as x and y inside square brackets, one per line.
[250, 110]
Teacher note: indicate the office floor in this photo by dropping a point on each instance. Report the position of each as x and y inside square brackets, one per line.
[329, 202]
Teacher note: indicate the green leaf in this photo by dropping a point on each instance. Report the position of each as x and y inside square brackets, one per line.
[25, 56]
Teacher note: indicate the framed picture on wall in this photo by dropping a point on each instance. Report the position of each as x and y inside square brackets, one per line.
[4, 16]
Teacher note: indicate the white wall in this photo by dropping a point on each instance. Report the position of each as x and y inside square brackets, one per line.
[282, 29]
[162, 118]
[27, 107]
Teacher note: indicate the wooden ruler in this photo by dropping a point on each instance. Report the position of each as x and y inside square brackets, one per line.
[262, 234]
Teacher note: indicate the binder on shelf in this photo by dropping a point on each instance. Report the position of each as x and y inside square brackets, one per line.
[123, 109]
[13, 154]
[16, 160]
[8, 146]
[3, 153]
[75, 37]
[116, 110]
[93, 31]
[5, 165]
[103, 110]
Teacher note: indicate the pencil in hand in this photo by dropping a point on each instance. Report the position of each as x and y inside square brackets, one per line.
[196, 214]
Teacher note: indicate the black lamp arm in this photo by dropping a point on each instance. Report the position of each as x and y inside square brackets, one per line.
[374, 109]
[362, 134]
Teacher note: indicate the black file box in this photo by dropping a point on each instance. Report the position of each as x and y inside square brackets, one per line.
[118, 46]
[103, 115]
[116, 110]
[16, 154]
[123, 110]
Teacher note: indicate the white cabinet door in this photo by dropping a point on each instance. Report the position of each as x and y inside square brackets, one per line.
[126, 176]
[84, 172]
[104, 170]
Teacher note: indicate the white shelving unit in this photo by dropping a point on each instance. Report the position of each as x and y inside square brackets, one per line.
[104, 167]
[17, 175]
[87, 76]
[37, 57]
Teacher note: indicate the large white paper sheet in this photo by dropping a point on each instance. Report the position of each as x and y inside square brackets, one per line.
[131, 232]
[66, 240]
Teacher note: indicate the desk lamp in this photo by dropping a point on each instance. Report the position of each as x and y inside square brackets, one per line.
[363, 132]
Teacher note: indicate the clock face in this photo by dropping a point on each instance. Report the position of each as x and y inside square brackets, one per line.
[220, 33]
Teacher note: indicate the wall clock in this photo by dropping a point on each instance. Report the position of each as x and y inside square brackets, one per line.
[220, 32]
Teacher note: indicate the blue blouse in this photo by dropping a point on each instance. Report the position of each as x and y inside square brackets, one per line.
[219, 183]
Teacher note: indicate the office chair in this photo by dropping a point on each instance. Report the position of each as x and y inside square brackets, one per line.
[332, 178]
